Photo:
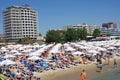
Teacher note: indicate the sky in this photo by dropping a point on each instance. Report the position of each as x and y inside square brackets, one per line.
[54, 14]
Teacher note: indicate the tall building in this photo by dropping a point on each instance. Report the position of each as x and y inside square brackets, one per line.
[110, 28]
[20, 22]
[109, 25]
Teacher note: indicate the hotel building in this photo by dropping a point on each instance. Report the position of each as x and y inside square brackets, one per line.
[20, 22]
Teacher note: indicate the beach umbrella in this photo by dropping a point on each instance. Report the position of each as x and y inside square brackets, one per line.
[14, 51]
[9, 56]
[84, 47]
[56, 48]
[3, 48]
[36, 53]
[101, 49]
[77, 53]
[70, 49]
[7, 62]
[34, 58]
[92, 51]
[17, 53]
[111, 48]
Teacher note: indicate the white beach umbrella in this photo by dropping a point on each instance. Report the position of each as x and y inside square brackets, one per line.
[84, 47]
[3, 48]
[111, 48]
[34, 58]
[14, 51]
[70, 49]
[7, 62]
[17, 53]
[9, 56]
[56, 49]
[77, 53]
[101, 49]
[93, 51]
[35, 53]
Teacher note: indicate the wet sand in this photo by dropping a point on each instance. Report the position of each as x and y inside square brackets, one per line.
[73, 73]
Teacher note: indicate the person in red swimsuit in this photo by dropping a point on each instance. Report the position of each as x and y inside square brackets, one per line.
[83, 75]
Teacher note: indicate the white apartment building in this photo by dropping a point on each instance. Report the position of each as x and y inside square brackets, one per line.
[90, 29]
[20, 22]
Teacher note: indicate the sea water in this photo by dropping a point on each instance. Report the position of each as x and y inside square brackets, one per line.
[113, 74]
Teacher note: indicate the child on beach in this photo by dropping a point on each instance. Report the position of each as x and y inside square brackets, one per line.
[83, 75]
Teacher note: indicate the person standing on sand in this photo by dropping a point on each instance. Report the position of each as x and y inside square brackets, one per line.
[83, 75]
[115, 63]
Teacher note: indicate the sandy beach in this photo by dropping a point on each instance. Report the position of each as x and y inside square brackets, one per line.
[73, 73]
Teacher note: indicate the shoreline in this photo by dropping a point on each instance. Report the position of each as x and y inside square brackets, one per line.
[73, 73]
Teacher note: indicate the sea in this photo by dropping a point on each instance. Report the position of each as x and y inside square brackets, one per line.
[111, 74]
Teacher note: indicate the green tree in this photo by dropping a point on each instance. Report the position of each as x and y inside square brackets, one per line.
[84, 34]
[70, 35]
[108, 34]
[25, 39]
[79, 34]
[96, 33]
[53, 36]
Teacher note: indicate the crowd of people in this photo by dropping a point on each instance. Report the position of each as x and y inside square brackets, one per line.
[24, 67]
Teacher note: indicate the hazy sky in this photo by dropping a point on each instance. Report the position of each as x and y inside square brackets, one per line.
[54, 14]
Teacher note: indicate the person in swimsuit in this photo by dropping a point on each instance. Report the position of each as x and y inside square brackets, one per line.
[83, 75]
